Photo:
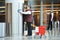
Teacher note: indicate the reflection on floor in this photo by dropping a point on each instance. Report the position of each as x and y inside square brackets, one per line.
[54, 35]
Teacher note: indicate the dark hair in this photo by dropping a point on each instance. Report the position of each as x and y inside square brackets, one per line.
[29, 6]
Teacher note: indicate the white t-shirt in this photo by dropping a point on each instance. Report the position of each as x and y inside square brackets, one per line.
[27, 12]
[52, 16]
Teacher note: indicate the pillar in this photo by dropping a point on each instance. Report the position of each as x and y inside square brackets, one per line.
[52, 6]
[41, 12]
[16, 18]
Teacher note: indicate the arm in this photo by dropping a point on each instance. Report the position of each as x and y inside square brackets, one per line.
[28, 12]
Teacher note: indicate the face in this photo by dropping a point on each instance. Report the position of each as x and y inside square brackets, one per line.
[28, 7]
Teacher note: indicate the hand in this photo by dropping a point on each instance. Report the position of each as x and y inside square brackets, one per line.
[19, 10]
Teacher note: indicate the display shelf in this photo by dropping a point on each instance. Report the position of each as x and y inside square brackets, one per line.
[2, 10]
[2, 6]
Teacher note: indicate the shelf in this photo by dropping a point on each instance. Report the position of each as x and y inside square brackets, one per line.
[2, 14]
[2, 6]
[25, 0]
[2, 11]
[2, 1]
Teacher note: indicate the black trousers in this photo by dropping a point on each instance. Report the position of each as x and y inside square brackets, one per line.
[49, 25]
[29, 28]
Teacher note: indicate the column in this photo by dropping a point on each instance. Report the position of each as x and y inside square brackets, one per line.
[52, 6]
[16, 18]
[41, 12]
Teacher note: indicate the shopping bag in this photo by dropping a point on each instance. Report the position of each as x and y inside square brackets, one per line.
[37, 30]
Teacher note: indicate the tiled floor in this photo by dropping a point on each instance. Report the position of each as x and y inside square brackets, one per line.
[31, 38]
[48, 36]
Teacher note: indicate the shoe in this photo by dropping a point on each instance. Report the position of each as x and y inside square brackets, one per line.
[40, 36]
[28, 35]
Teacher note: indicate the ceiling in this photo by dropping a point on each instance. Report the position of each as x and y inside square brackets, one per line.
[45, 1]
[54, 1]
[47, 4]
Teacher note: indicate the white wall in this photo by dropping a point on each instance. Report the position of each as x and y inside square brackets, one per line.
[2, 29]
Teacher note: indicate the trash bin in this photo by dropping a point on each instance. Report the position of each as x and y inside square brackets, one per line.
[2, 29]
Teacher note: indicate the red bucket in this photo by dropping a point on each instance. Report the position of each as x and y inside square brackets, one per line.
[41, 30]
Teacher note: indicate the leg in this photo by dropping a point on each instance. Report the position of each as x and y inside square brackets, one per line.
[29, 28]
[58, 26]
[48, 26]
[51, 25]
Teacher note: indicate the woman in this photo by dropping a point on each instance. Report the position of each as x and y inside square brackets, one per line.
[28, 19]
